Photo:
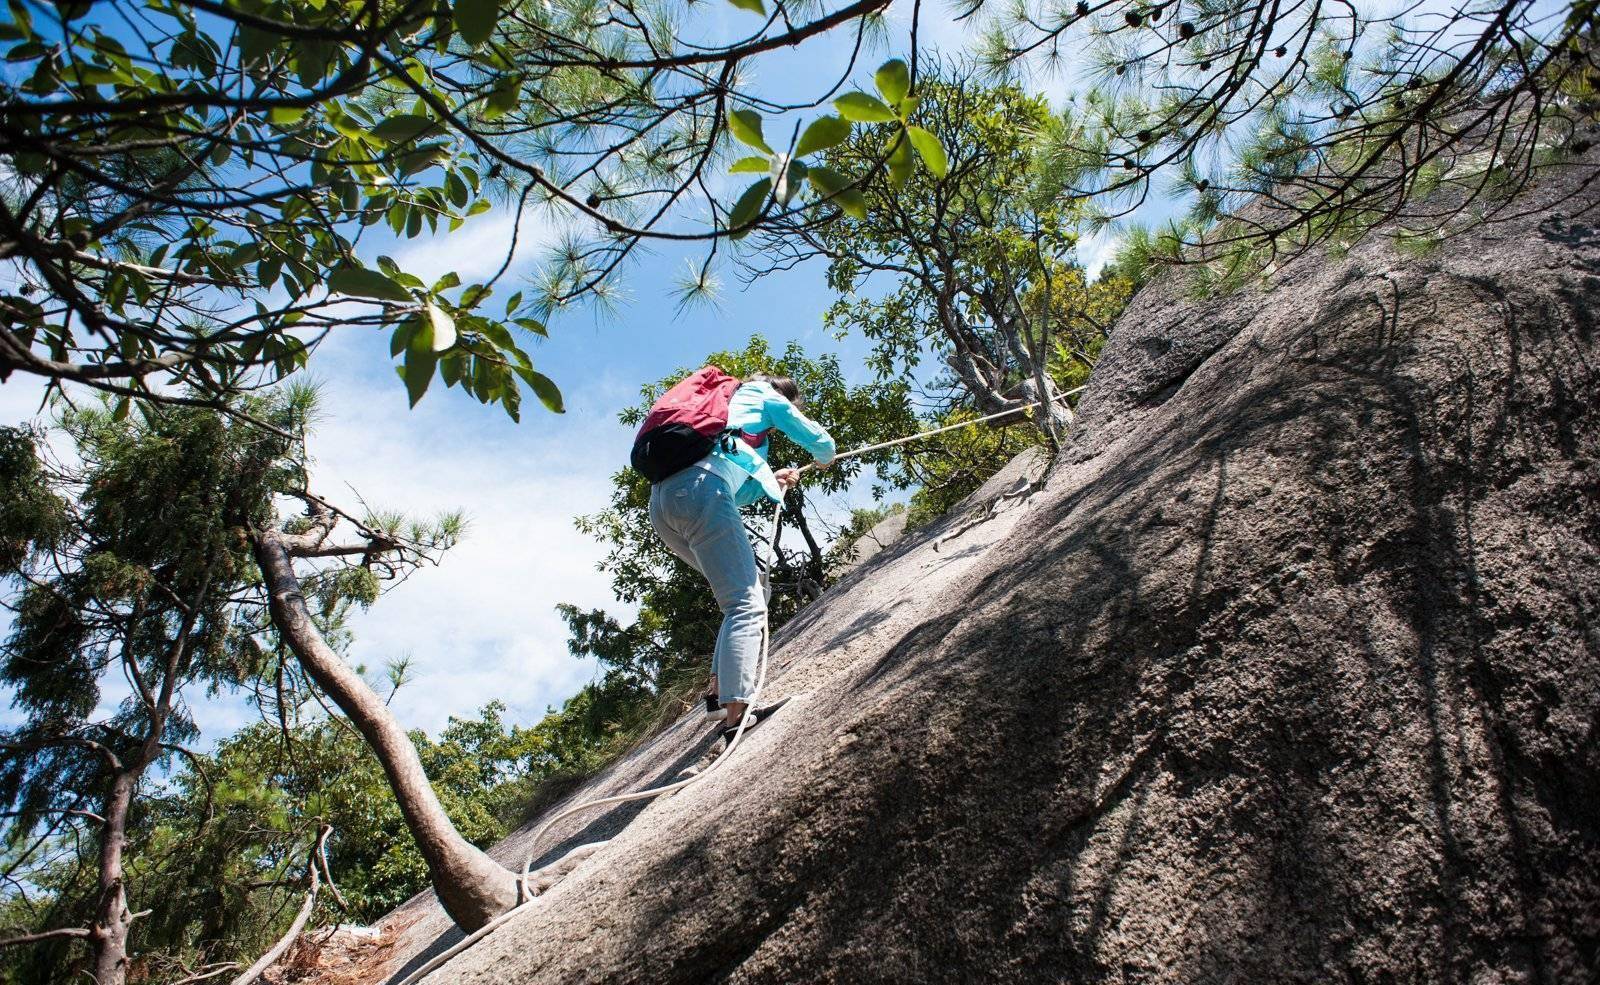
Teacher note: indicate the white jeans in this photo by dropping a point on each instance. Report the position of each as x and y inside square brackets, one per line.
[694, 514]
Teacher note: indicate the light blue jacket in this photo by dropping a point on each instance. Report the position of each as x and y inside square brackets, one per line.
[755, 407]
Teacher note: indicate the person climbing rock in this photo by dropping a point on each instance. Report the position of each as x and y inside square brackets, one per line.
[704, 446]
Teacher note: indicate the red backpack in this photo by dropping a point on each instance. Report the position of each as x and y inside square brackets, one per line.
[686, 423]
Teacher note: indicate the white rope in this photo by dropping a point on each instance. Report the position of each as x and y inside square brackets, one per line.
[941, 430]
[525, 887]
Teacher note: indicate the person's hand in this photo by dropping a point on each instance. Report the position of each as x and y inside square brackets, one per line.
[787, 478]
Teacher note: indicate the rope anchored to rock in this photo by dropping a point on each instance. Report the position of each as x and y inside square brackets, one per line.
[530, 883]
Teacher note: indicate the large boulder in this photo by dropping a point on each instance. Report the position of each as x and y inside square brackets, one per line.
[1291, 672]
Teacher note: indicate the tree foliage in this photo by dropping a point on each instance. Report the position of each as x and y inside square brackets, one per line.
[1288, 126]
[192, 188]
[135, 597]
[130, 591]
[962, 265]
[217, 849]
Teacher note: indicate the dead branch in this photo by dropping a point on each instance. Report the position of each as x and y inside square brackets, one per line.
[314, 865]
[45, 935]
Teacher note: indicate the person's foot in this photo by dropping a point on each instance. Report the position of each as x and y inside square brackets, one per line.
[751, 718]
[714, 710]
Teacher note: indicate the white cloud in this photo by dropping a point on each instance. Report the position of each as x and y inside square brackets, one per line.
[479, 247]
[1098, 249]
[482, 625]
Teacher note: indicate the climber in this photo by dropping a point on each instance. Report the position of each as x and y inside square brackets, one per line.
[704, 447]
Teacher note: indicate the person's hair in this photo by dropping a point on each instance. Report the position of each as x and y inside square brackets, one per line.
[783, 385]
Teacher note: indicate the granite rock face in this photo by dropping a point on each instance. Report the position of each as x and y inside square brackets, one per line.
[1290, 673]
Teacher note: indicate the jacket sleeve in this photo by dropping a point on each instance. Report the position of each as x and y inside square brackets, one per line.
[805, 432]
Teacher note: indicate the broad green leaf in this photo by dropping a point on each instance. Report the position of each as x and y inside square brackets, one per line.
[253, 44]
[453, 367]
[403, 128]
[824, 132]
[931, 150]
[420, 362]
[94, 75]
[286, 115]
[862, 108]
[444, 327]
[750, 165]
[900, 161]
[836, 187]
[422, 338]
[417, 371]
[746, 126]
[312, 58]
[748, 205]
[363, 283]
[422, 158]
[543, 388]
[349, 126]
[497, 334]
[893, 80]
[475, 19]
[403, 334]
[908, 106]
[754, 6]
[503, 97]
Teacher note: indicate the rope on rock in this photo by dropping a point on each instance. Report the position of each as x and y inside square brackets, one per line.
[527, 887]
[941, 430]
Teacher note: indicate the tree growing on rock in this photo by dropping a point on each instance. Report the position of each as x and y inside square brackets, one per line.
[971, 260]
[328, 545]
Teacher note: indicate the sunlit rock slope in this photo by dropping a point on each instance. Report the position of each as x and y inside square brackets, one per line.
[1291, 673]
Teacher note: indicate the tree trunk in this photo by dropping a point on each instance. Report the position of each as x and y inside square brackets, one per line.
[795, 507]
[472, 887]
[109, 934]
